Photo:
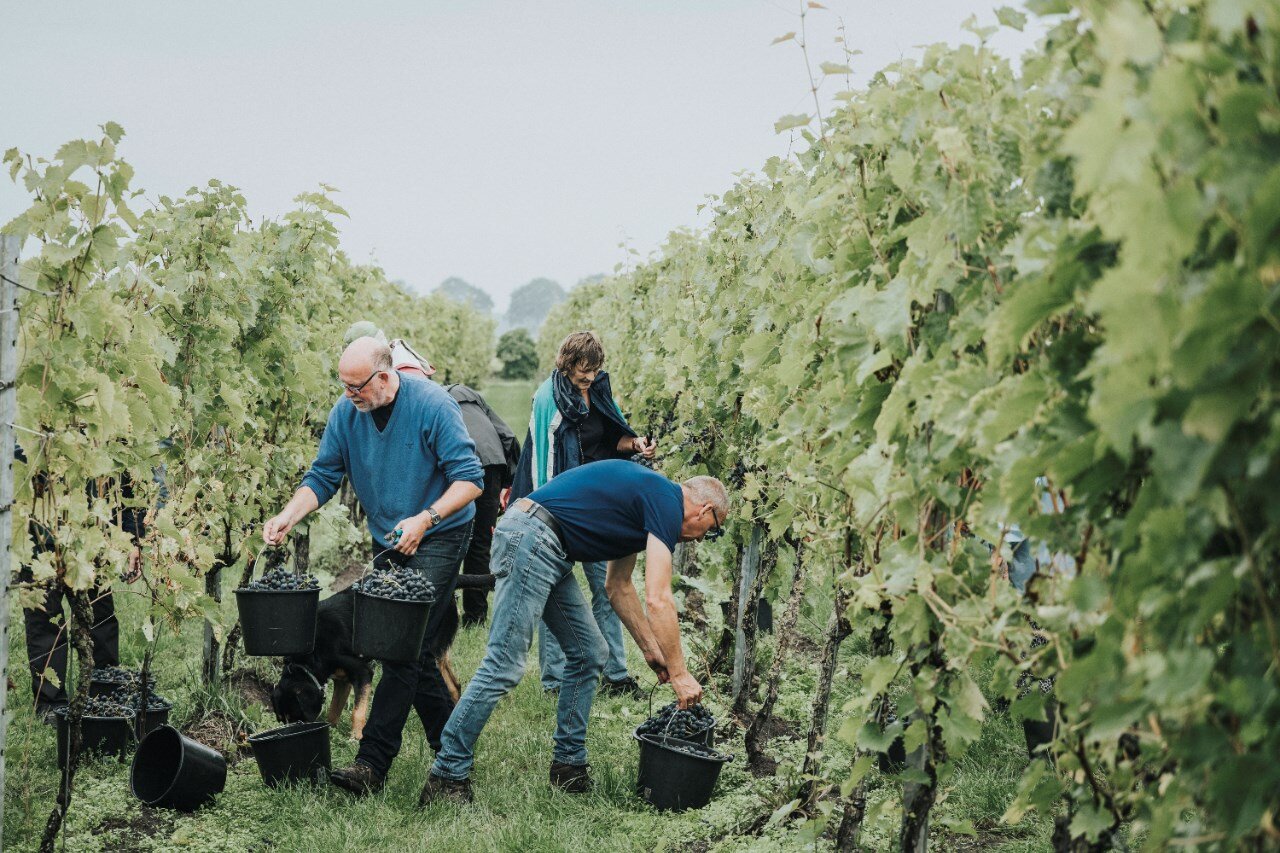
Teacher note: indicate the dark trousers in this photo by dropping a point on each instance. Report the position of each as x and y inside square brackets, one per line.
[47, 642]
[416, 685]
[475, 602]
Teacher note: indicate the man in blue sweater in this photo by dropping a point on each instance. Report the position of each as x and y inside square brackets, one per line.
[402, 443]
[609, 510]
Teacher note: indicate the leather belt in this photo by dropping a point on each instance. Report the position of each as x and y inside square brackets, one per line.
[540, 512]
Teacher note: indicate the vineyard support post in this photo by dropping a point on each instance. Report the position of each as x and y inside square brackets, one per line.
[750, 566]
[9, 247]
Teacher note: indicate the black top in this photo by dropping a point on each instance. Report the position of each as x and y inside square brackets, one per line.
[598, 437]
[383, 414]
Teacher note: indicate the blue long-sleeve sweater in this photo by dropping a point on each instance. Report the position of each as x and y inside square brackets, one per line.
[400, 471]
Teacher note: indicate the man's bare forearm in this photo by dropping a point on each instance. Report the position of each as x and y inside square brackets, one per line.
[627, 605]
[458, 495]
[664, 625]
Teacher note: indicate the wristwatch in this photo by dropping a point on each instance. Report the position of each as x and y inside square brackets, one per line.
[435, 516]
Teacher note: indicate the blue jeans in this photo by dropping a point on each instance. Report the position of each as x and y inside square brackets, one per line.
[551, 656]
[417, 685]
[535, 582]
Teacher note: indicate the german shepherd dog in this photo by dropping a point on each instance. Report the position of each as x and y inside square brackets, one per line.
[299, 695]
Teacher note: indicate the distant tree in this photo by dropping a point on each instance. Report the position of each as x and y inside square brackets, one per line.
[518, 356]
[531, 303]
[466, 293]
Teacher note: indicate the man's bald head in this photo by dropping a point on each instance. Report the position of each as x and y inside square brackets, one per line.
[365, 371]
[365, 355]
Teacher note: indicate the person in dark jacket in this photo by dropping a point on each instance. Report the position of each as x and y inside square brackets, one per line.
[576, 421]
[47, 639]
[499, 453]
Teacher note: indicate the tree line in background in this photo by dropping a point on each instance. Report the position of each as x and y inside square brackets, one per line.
[988, 304]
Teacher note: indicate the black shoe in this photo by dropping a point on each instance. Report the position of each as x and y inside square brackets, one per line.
[571, 778]
[473, 621]
[358, 778]
[622, 687]
[440, 789]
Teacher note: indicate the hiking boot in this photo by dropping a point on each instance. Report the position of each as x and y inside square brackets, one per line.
[440, 789]
[571, 778]
[626, 687]
[358, 778]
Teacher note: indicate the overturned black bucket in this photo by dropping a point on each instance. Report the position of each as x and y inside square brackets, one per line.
[677, 774]
[388, 629]
[98, 735]
[298, 752]
[278, 622]
[173, 771]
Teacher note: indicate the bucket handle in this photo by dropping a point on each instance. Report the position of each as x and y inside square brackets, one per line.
[374, 561]
[258, 556]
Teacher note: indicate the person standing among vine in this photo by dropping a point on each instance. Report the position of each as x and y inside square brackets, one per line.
[402, 443]
[576, 421]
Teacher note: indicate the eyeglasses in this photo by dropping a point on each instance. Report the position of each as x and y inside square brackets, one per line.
[715, 532]
[356, 389]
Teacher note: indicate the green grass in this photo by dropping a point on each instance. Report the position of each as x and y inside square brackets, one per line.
[512, 399]
[515, 807]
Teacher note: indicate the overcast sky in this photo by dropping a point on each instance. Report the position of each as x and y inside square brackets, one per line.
[496, 141]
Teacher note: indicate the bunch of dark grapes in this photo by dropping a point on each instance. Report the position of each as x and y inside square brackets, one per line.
[398, 584]
[686, 724]
[100, 706]
[129, 678]
[281, 580]
[132, 698]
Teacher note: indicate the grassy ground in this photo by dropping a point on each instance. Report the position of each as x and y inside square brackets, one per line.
[515, 808]
[512, 399]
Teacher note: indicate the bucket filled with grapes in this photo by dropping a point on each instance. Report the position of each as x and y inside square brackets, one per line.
[106, 728]
[678, 768]
[278, 613]
[391, 610]
[106, 680]
[695, 724]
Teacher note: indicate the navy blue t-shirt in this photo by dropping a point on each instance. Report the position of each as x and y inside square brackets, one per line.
[608, 509]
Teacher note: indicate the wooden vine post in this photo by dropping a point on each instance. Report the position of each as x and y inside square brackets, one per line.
[9, 246]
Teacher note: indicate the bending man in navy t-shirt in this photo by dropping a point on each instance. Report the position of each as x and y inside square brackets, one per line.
[608, 510]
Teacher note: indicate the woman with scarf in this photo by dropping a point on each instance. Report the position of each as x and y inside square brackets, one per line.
[575, 421]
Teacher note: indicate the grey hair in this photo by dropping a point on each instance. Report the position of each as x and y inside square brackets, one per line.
[382, 356]
[708, 490]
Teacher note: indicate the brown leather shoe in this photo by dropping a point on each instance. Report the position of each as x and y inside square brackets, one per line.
[358, 778]
[440, 789]
[571, 778]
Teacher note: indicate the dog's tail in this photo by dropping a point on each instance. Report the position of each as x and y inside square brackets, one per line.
[445, 664]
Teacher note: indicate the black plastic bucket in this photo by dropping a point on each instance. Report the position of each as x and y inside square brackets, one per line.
[99, 735]
[173, 771]
[671, 778]
[298, 752]
[387, 629]
[148, 721]
[278, 622]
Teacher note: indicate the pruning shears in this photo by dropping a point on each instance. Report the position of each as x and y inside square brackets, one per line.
[394, 536]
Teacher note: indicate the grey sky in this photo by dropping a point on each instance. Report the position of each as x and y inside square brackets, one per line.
[494, 141]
